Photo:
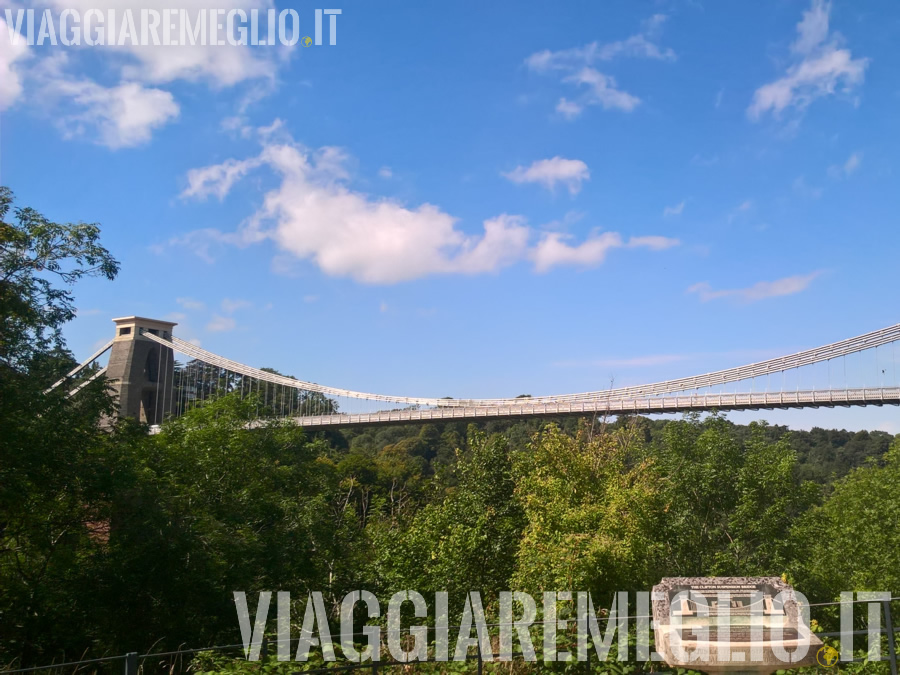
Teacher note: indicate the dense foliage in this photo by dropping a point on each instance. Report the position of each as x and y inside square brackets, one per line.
[113, 540]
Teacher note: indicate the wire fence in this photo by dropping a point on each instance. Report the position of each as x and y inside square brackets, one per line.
[132, 663]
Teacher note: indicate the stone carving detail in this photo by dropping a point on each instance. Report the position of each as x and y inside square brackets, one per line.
[695, 629]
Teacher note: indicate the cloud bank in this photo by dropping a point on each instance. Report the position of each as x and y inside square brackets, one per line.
[821, 67]
[314, 215]
[576, 66]
[758, 291]
[133, 101]
[550, 172]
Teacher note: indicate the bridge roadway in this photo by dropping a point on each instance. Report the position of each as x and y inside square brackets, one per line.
[642, 406]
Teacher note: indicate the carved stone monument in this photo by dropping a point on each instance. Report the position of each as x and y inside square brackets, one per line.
[731, 625]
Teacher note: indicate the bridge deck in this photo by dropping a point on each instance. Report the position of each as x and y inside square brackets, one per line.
[642, 406]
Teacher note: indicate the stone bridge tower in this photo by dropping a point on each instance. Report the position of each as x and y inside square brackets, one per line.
[140, 370]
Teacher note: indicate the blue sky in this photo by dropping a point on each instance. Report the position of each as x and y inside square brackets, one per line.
[484, 199]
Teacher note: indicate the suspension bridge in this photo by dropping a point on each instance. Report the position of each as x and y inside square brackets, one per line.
[153, 385]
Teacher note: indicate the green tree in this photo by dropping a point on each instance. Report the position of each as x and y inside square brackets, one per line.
[728, 505]
[210, 507]
[851, 541]
[54, 474]
[34, 252]
[465, 542]
[769, 500]
[591, 505]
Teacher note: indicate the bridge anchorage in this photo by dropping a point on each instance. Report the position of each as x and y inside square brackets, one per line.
[153, 386]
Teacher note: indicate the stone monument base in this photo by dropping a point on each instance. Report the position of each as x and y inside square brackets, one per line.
[715, 624]
[736, 658]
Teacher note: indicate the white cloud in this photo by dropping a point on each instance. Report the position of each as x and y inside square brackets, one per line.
[201, 243]
[221, 324]
[821, 68]
[217, 179]
[576, 65]
[230, 306]
[553, 250]
[10, 79]
[640, 45]
[549, 172]
[347, 234]
[740, 209]
[504, 242]
[569, 109]
[274, 129]
[385, 172]
[190, 303]
[758, 291]
[807, 81]
[237, 125]
[653, 242]
[603, 91]
[848, 168]
[804, 189]
[313, 215]
[128, 112]
[674, 210]
[118, 117]
[233, 123]
[813, 28]
[219, 65]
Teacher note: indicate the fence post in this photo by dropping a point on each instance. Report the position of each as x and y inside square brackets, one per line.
[264, 650]
[131, 663]
[889, 628]
[478, 644]
[587, 656]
